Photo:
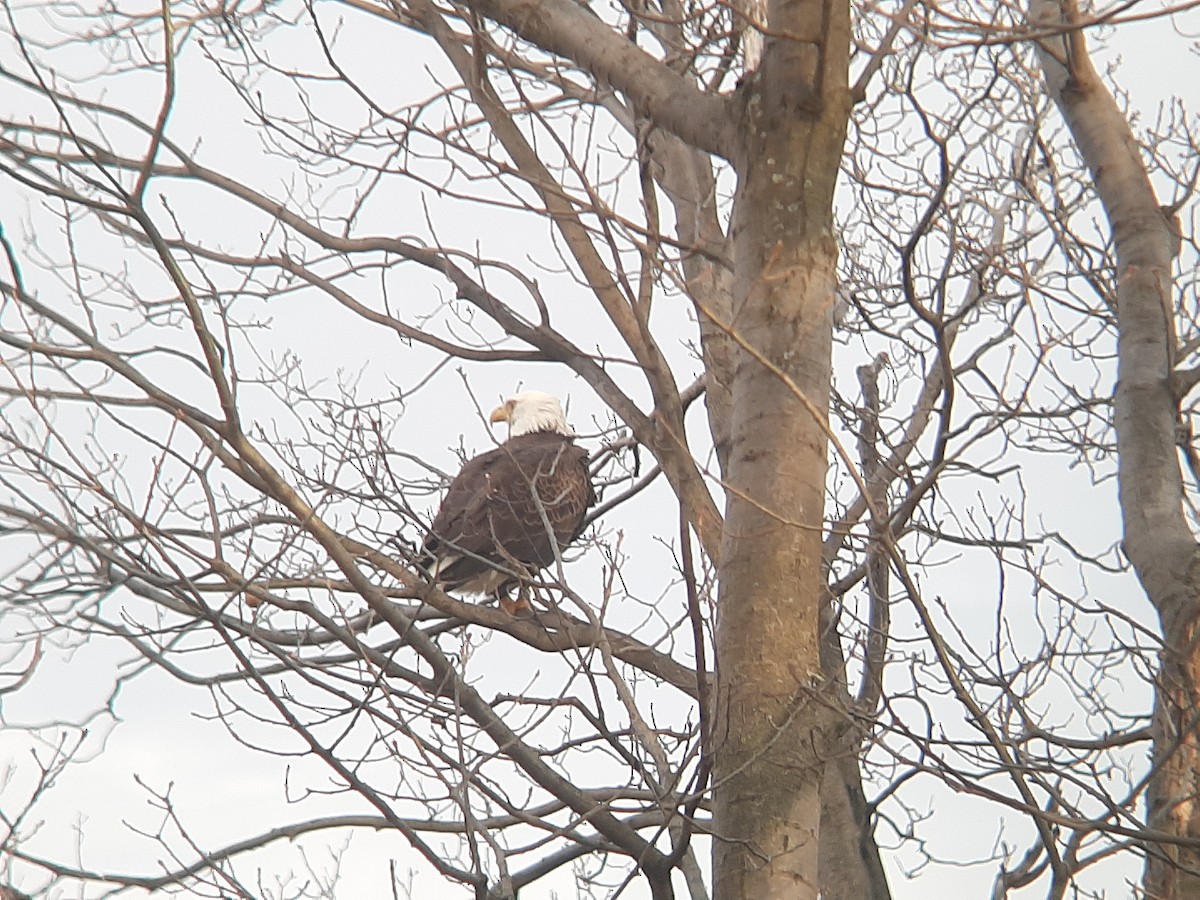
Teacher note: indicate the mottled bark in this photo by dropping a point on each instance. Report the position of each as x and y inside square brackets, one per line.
[1157, 538]
[775, 727]
[849, 865]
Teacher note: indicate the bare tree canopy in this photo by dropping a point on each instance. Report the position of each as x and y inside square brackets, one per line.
[878, 325]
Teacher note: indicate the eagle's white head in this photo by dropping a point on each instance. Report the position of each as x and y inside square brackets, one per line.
[531, 411]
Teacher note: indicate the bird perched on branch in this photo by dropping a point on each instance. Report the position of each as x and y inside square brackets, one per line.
[512, 510]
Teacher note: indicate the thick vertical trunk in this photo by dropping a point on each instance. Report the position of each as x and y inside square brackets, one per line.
[1157, 539]
[771, 738]
[1173, 871]
[774, 729]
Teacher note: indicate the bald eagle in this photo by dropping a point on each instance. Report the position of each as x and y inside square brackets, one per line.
[510, 510]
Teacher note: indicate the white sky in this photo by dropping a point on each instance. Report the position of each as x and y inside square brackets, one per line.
[225, 792]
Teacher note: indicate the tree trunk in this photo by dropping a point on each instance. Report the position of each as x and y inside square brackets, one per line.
[1157, 538]
[774, 727]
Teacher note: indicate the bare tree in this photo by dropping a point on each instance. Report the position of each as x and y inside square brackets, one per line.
[839, 304]
[1153, 379]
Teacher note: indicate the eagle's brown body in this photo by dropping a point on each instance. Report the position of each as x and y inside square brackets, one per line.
[508, 513]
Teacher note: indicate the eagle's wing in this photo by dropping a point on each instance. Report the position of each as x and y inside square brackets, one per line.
[458, 547]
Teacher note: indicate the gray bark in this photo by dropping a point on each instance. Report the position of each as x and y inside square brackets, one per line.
[774, 726]
[1157, 538]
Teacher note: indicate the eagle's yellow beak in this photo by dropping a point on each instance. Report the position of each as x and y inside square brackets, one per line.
[499, 414]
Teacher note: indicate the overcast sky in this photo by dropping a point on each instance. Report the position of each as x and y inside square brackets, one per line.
[164, 733]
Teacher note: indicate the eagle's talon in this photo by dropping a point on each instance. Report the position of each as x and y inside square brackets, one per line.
[522, 612]
[520, 608]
